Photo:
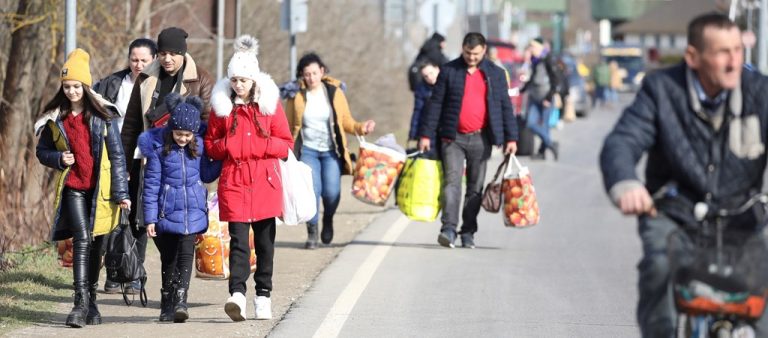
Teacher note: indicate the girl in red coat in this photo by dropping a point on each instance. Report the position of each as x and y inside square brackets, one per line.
[249, 132]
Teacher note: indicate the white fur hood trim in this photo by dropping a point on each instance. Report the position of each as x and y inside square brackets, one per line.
[269, 96]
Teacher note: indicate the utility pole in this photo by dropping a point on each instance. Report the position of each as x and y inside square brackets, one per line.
[220, 39]
[70, 25]
[762, 62]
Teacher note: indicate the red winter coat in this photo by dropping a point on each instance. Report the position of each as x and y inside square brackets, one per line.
[250, 186]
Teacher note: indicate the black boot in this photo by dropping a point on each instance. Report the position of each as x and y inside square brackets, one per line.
[180, 306]
[555, 148]
[77, 317]
[311, 236]
[166, 304]
[94, 316]
[327, 234]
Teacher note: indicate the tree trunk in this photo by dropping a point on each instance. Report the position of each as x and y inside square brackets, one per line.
[22, 179]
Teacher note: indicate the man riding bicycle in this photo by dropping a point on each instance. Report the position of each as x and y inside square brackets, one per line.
[703, 126]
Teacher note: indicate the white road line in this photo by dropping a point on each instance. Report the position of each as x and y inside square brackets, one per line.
[341, 309]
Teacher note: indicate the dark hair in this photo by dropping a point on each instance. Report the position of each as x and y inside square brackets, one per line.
[90, 105]
[698, 24]
[307, 60]
[423, 64]
[168, 142]
[473, 40]
[142, 42]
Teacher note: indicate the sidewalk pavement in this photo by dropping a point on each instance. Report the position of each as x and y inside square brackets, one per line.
[295, 271]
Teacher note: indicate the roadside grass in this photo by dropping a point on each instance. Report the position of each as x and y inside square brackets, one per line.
[32, 287]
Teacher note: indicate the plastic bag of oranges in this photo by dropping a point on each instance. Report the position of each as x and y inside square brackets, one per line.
[212, 247]
[375, 173]
[520, 206]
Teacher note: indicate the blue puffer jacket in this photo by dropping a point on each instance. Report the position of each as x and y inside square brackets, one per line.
[441, 118]
[174, 197]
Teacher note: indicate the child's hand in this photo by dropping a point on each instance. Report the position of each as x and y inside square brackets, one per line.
[151, 230]
[67, 158]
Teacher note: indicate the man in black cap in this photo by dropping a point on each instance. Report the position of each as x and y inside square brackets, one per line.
[174, 70]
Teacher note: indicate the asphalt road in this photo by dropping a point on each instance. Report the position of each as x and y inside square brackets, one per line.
[573, 275]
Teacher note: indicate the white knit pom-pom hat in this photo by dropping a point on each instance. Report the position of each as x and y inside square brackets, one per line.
[244, 62]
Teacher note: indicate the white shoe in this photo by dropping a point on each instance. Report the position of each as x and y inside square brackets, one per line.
[263, 307]
[235, 307]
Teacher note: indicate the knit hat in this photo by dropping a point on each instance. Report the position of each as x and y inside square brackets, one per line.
[76, 67]
[172, 39]
[185, 112]
[244, 62]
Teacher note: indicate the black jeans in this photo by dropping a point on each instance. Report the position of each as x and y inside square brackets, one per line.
[177, 253]
[475, 150]
[86, 254]
[240, 253]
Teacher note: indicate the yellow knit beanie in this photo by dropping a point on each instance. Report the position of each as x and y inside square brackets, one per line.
[76, 68]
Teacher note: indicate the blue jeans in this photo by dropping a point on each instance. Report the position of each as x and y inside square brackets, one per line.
[326, 179]
[538, 122]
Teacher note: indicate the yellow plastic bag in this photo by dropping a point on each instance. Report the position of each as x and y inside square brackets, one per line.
[419, 187]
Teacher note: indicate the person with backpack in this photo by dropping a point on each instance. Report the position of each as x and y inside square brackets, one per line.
[249, 132]
[175, 200]
[79, 139]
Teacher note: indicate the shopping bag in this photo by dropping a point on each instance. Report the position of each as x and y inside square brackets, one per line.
[554, 117]
[212, 247]
[492, 198]
[520, 206]
[375, 173]
[299, 200]
[420, 185]
[64, 249]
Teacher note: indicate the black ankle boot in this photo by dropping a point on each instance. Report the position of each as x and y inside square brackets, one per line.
[166, 304]
[94, 316]
[79, 313]
[311, 236]
[327, 234]
[180, 306]
[555, 148]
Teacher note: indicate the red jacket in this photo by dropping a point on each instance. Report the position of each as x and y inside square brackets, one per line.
[250, 186]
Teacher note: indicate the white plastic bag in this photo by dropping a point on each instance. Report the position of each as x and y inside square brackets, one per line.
[299, 201]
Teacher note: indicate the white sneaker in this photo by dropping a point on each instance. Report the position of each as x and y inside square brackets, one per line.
[235, 307]
[263, 307]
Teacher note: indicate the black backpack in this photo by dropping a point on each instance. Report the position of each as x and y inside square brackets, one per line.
[122, 259]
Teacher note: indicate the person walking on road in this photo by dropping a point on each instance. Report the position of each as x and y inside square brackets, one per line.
[174, 71]
[469, 111]
[541, 88]
[175, 200]
[116, 88]
[429, 72]
[431, 51]
[702, 124]
[319, 118]
[81, 142]
[249, 132]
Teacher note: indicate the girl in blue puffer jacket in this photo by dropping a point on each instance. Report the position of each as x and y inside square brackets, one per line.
[174, 198]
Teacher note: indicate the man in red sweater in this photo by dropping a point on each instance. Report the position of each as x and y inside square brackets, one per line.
[470, 111]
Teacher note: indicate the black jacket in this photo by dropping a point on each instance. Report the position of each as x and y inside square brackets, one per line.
[442, 116]
[684, 149]
[109, 86]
